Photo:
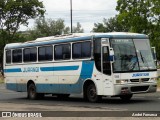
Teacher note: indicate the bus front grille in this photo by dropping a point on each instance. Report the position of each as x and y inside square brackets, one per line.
[139, 88]
[144, 79]
[140, 80]
[134, 80]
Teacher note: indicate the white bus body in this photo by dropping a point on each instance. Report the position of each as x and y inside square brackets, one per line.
[93, 64]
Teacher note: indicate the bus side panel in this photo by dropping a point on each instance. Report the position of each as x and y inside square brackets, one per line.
[71, 76]
[10, 74]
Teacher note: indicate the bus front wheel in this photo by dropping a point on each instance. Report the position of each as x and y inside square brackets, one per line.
[32, 93]
[92, 94]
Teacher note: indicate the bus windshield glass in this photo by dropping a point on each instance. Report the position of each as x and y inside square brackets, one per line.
[132, 55]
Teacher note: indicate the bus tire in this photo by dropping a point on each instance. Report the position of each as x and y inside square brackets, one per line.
[32, 93]
[126, 97]
[91, 94]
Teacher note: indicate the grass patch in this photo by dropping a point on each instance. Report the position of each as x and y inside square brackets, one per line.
[1, 79]
[158, 82]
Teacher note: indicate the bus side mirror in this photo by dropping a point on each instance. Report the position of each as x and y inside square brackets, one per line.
[153, 50]
[111, 55]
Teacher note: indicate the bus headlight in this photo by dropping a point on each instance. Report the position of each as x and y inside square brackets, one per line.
[153, 79]
[121, 81]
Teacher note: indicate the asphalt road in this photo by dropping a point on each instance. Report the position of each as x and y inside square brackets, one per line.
[14, 101]
[19, 101]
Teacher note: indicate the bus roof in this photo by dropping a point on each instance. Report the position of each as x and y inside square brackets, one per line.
[75, 37]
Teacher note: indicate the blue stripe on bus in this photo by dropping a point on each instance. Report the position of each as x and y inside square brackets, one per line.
[60, 68]
[12, 70]
[86, 73]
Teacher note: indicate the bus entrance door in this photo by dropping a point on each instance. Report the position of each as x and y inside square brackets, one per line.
[106, 67]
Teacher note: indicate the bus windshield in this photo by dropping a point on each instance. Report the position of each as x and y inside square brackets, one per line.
[132, 55]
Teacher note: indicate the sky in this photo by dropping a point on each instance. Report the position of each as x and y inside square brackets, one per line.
[87, 12]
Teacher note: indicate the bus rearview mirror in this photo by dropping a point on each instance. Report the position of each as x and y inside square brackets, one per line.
[111, 55]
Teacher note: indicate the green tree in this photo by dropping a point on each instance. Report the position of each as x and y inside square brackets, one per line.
[110, 25]
[78, 28]
[48, 27]
[14, 13]
[135, 14]
[141, 16]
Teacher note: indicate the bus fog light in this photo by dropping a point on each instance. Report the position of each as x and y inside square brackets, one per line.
[121, 81]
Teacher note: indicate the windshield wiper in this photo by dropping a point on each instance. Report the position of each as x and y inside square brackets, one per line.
[145, 63]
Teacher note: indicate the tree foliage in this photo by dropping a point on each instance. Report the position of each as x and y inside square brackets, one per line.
[48, 27]
[14, 13]
[110, 25]
[141, 16]
[78, 28]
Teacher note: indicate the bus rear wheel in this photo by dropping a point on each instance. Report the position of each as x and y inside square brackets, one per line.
[91, 94]
[32, 93]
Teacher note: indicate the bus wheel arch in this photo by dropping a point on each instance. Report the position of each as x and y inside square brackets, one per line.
[32, 91]
[90, 91]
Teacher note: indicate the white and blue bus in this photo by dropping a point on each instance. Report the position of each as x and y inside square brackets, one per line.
[95, 65]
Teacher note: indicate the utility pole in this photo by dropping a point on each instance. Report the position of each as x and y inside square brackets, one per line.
[71, 14]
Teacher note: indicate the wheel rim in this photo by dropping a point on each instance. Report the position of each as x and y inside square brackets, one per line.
[92, 94]
[32, 92]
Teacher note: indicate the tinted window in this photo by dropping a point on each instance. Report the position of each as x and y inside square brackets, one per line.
[97, 53]
[17, 56]
[8, 56]
[62, 52]
[45, 53]
[86, 49]
[77, 50]
[82, 50]
[30, 55]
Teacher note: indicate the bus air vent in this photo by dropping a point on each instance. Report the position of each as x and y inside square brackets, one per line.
[134, 80]
[144, 79]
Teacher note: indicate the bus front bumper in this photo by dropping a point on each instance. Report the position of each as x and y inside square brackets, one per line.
[135, 88]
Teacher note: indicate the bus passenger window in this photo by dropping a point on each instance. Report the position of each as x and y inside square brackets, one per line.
[97, 54]
[17, 56]
[45, 53]
[62, 52]
[86, 49]
[82, 50]
[8, 57]
[58, 53]
[77, 50]
[30, 55]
